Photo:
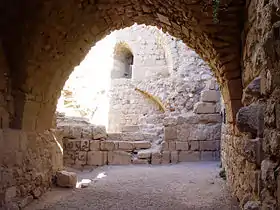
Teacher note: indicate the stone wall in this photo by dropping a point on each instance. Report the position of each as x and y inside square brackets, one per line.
[196, 136]
[163, 67]
[250, 148]
[191, 137]
[28, 162]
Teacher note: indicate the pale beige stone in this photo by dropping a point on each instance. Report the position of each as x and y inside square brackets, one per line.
[174, 157]
[119, 158]
[142, 145]
[170, 133]
[172, 146]
[180, 145]
[204, 108]
[210, 96]
[143, 154]
[66, 179]
[94, 145]
[156, 158]
[140, 161]
[97, 158]
[108, 145]
[165, 157]
[194, 145]
[189, 156]
[125, 145]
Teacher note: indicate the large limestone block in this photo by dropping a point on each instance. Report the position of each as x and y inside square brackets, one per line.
[142, 145]
[97, 158]
[165, 157]
[108, 145]
[170, 133]
[99, 132]
[119, 158]
[189, 156]
[174, 157]
[94, 145]
[205, 132]
[210, 96]
[66, 179]
[204, 108]
[144, 154]
[126, 145]
[156, 158]
[250, 119]
[180, 145]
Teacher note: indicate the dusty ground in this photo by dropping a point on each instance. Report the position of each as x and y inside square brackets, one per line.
[180, 187]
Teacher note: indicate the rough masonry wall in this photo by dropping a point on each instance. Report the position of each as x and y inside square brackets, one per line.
[251, 148]
[176, 80]
[28, 162]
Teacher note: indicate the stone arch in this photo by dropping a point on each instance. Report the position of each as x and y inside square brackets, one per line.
[48, 43]
[123, 61]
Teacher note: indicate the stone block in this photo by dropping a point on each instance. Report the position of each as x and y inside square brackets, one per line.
[207, 156]
[252, 92]
[66, 179]
[75, 132]
[181, 145]
[203, 118]
[212, 85]
[85, 145]
[165, 157]
[209, 145]
[250, 119]
[94, 145]
[144, 154]
[174, 157]
[142, 145]
[140, 161]
[119, 158]
[156, 158]
[81, 158]
[204, 108]
[72, 144]
[172, 146]
[125, 145]
[189, 156]
[194, 145]
[210, 96]
[99, 132]
[97, 158]
[252, 150]
[170, 133]
[87, 132]
[108, 145]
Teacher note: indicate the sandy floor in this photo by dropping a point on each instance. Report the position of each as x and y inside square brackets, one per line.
[179, 187]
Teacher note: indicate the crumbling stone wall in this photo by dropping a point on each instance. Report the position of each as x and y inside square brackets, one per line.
[176, 80]
[251, 148]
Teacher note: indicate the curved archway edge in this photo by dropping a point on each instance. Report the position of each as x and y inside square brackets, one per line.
[57, 36]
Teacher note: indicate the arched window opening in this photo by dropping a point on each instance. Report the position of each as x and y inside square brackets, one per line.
[123, 61]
